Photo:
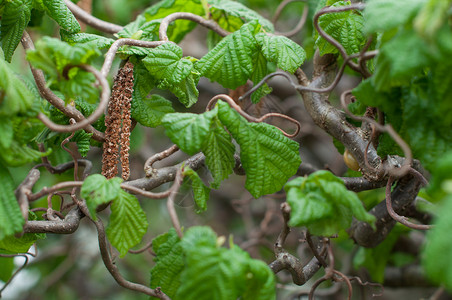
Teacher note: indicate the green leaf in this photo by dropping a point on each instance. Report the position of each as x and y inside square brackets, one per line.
[287, 54]
[216, 273]
[82, 139]
[169, 263]
[188, 131]
[6, 132]
[260, 70]
[437, 254]
[219, 152]
[171, 71]
[225, 11]
[345, 27]
[441, 181]
[16, 97]
[180, 28]
[15, 18]
[323, 204]
[92, 40]
[58, 11]
[230, 63]
[19, 154]
[166, 62]
[19, 245]
[128, 223]
[268, 157]
[150, 111]
[261, 282]
[6, 268]
[384, 15]
[53, 56]
[97, 190]
[200, 190]
[11, 219]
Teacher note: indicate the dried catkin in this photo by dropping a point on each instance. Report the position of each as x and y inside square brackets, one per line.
[117, 138]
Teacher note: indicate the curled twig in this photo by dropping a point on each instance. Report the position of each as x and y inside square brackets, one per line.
[53, 99]
[16, 271]
[401, 219]
[148, 169]
[330, 39]
[192, 17]
[303, 88]
[249, 118]
[104, 96]
[300, 24]
[110, 55]
[92, 21]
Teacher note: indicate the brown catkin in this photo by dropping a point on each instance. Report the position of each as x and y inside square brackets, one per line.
[117, 139]
[126, 121]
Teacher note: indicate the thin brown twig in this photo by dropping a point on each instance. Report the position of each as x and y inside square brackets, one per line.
[148, 169]
[15, 272]
[94, 22]
[212, 25]
[113, 269]
[300, 24]
[330, 39]
[170, 203]
[81, 124]
[53, 99]
[141, 250]
[249, 118]
[111, 53]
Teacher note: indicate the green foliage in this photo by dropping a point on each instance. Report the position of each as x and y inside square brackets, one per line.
[10, 215]
[213, 272]
[384, 15]
[150, 111]
[169, 262]
[204, 132]
[54, 57]
[97, 190]
[231, 15]
[172, 72]
[200, 190]
[345, 27]
[6, 268]
[245, 54]
[323, 204]
[87, 39]
[164, 8]
[268, 157]
[128, 222]
[58, 11]
[219, 152]
[230, 63]
[15, 17]
[287, 54]
[188, 130]
[436, 258]
[440, 184]
[16, 97]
